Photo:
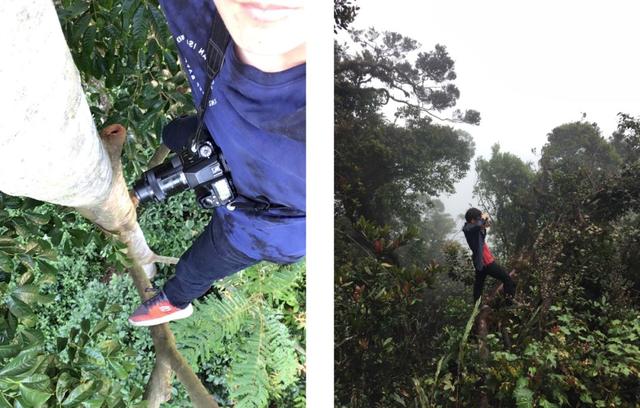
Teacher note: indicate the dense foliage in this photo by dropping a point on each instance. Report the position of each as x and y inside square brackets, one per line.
[64, 335]
[344, 12]
[389, 227]
[384, 169]
[406, 332]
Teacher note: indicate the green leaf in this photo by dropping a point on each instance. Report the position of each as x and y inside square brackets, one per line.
[34, 397]
[140, 27]
[85, 325]
[109, 346]
[30, 203]
[522, 394]
[84, 338]
[56, 236]
[21, 364]
[46, 267]
[79, 28]
[61, 343]
[25, 278]
[585, 397]
[19, 402]
[32, 338]
[71, 351]
[62, 386]
[95, 356]
[159, 23]
[22, 228]
[37, 381]
[75, 10]
[546, 404]
[100, 326]
[73, 333]
[96, 401]
[18, 308]
[40, 219]
[29, 294]
[121, 373]
[12, 202]
[128, 8]
[88, 45]
[79, 394]
[9, 350]
[4, 403]
[5, 262]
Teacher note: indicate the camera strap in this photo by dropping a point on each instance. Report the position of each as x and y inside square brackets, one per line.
[262, 204]
[216, 47]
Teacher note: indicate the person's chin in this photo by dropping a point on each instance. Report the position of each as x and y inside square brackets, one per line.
[264, 41]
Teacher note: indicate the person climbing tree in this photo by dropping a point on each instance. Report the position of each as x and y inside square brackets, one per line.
[256, 114]
[475, 231]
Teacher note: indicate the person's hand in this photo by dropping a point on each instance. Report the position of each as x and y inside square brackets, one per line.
[486, 220]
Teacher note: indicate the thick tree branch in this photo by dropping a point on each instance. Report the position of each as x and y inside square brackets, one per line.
[116, 214]
[158, 388]
[167, 355]
[422, 109]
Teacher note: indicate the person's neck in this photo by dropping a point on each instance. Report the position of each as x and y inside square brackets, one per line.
[273, 63]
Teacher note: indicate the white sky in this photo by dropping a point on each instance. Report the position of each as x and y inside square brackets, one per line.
[527, 67]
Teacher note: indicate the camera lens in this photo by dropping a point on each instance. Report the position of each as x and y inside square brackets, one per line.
[143, 190]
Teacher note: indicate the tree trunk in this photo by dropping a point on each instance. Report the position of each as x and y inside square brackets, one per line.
[46, 118]
[482, 330]
[50, 151]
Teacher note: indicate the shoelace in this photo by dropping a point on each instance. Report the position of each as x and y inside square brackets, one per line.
[157, 297]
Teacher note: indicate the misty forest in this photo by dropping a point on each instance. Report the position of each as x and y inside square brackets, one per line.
[567, 227]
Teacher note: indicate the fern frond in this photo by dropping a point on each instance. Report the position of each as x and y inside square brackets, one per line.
[267, 279]
[248, 378]
[282, 361]
[246, 324]
[214, 321]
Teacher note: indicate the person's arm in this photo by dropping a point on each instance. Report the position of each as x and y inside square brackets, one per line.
[474, 227]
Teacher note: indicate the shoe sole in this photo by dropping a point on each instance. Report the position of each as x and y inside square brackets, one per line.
[181, 314]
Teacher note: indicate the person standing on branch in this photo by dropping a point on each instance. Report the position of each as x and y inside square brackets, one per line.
[475, 231]
[255, 113]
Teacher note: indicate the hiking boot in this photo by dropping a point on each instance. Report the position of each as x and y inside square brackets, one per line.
[158, 310]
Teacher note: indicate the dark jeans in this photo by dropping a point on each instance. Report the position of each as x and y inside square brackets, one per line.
[210, 258]
[494, 270]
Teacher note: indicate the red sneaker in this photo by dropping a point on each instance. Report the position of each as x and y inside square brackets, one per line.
[158, 310]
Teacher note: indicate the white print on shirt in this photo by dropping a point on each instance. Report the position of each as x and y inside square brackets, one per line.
[203, 54]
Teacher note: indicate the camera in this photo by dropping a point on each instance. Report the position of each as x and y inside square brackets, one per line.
[486, 219]
[202, 169]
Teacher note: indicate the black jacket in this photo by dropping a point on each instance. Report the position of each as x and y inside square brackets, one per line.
[475, 234]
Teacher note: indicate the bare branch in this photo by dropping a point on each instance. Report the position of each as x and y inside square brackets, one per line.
[169, 260]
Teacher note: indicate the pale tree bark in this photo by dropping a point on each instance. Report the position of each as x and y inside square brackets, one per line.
[50, 151]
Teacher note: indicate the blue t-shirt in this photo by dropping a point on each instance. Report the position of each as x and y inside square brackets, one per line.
[258, 120]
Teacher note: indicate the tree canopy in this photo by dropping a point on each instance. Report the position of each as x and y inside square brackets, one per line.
[382, 167]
